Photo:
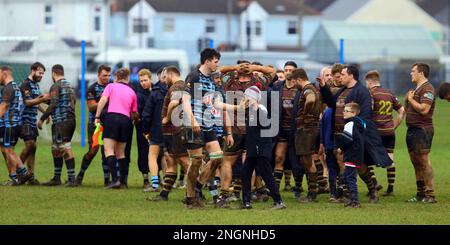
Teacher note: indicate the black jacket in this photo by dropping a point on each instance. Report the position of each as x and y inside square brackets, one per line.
[151, 115]
[351, 141]
[376, 153]
[255, 144]
[142, 95]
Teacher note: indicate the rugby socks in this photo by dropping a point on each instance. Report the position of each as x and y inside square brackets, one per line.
[112, 161]
[84, 166]
[342, 188]
[182, 173]
[58, 163]
[198, 187]
[312, 183]
[367, 177]
[123, 170]
[212, 187]
[430, 193]
[217, 179]
[278, 174]
[198, 190]
[126, 170]
[169, 180]
[391, 179]
[70, 165]
[155, 181]
[22, 171]
[105, 167]
[13, 177]
[145, 177]
[372, 175]
[320, 178]
[106, 172]
[420, 188]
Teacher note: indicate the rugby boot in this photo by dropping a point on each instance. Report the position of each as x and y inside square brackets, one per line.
[55, 181]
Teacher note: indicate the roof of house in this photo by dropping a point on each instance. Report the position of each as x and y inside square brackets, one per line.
[369, 41]
[436, 8]
[319, 5]
[432, 7]
[282, 7]
[342, 9]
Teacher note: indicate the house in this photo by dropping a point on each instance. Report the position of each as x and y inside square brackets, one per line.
[225, 24]
[440, 10]
[364, 42]
[391, 49]
[53, 20]
[386, 12]
[51, 31]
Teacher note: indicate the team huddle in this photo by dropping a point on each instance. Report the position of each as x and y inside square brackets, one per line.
[236, 130]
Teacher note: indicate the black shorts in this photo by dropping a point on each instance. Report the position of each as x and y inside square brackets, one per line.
[307, 141]
[9, 136]
[62, 132]
[283, 135]
[194, 141]
[174, 146]
[117, 127]
[28, 132]
[419, 140]
[237, 147]
[388, 142]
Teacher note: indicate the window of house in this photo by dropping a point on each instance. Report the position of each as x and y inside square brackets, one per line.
[140, 25]
[210, 26]
[248, 29]
[258, 28]
[292, 27]
[48, 19]
[97, 13]
[97, 23]
[169, 25]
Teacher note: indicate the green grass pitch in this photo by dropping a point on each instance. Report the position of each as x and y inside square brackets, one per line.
[91, 204]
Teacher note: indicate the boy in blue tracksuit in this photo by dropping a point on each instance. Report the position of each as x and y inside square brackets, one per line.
[351, 142]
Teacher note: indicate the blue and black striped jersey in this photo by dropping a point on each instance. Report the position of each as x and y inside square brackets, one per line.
[30, 90]
[94, 93]
[12, 96]
[202, 89]
[62, 103]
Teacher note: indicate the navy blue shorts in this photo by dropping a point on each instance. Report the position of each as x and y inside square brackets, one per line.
[28, 132]
[9, 136]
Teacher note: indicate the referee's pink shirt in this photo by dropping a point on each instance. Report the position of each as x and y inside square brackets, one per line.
[122, 99]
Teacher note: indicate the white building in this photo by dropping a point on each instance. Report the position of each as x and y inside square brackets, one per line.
[53, 20]
[56, 27]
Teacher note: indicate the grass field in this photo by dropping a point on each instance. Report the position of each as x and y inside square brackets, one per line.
[91, 204]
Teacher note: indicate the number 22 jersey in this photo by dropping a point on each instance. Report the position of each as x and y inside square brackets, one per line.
[384, 102]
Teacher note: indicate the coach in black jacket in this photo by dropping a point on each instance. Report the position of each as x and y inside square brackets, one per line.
[375, 152]
[142, 92]
[151, 115]
[152, 128]
[354, 91]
